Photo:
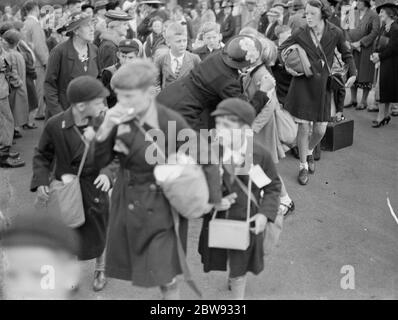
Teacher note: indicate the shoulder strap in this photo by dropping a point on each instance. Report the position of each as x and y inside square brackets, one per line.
[321, 49]
[86, 147]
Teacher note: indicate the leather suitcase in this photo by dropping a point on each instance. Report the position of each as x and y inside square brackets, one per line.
[338, 135]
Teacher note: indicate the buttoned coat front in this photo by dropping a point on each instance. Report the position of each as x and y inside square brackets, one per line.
[61, 144]
[64, 66]
[142, 245]
[308, 98]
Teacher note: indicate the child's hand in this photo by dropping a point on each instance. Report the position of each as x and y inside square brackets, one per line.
[260, 222]
[226, 202]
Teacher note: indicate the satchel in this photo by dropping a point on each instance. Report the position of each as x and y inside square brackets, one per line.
[286, 126]
[65, 200]
[231, 234]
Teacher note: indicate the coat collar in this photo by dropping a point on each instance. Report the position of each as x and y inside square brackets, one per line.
[72, 53]
[327, 37]
[68, 121]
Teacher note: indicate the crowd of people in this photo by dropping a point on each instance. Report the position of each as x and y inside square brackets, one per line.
[106, 75]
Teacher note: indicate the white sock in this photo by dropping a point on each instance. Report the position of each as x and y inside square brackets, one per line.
[304, 165]
[286, 200]
[310, 152]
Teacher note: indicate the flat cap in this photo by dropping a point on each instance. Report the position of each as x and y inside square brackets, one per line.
[34, 228]
[129, 45]
[237, 107]
[84, 89]
[117, 15]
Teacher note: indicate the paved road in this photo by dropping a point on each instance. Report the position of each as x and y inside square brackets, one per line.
[341, 219]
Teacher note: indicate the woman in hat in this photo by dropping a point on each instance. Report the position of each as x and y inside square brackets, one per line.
[75, 57]
[274, 18]
[387, 55]
[361, 40]
[228, 21]
[309, 98]
[215, 79]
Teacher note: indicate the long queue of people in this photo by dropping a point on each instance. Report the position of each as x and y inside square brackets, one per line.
[113, 76]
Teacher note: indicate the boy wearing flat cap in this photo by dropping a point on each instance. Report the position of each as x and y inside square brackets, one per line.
[142, 242]
[62, 143]
[128, 50]
[234, 118]
[117, 26]
[39, 262]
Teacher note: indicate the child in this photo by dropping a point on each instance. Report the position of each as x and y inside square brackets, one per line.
[234, 115]
[211, 40]
[18, 94]
[259, 78]
[155, 39]
[39, 261]
[178, 62]
[128, 50]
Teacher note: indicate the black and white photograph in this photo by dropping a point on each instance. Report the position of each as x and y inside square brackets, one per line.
[208, 151]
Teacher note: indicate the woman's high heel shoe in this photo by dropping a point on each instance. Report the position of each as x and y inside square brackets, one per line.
[378, 124]
[387, 119]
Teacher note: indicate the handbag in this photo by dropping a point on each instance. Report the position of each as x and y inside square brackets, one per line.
[333, 82]
[286, 126]
[65, 200]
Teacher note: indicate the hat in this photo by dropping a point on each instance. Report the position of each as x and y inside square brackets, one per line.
[86, 6]
[129, 45]
[40, 230]
[241, 51]
[279, 3]
[237, 107]
[75, 20]
[380, 4]
[12, 36]
[251, 1]
[84, 89]
[226, 4]
[73, 2]
[117, 15]
[273, 13]
[297, 5]
[101, 4]
[151, 2]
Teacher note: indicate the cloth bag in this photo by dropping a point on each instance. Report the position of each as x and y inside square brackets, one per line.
[65, 201]
[287, 127]
[295, 58]
[231, 234]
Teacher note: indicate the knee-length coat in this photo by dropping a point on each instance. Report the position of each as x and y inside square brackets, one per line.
[365, 32]
[64, 66]
[389, 66]
[142, 244]
[61, 143]
[252, 259]
[308, 98]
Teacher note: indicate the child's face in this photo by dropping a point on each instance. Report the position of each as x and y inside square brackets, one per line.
[212, 39]
[230, 130]
[178, 44]
[157, 27]
[36, 273]
[125, 57]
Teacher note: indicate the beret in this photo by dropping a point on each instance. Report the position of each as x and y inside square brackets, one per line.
[237, 107]
[117, 15]
[85, 88]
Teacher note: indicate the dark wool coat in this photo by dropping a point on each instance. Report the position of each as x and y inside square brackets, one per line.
[60, 142]
[214, 259]
[204, 51]
[64, 66]
[107, 51]
[365, 32]
[141, 241]
[197, 95]
[389, 66]
[308, 98]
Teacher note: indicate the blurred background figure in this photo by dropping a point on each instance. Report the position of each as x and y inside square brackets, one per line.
[39, 259]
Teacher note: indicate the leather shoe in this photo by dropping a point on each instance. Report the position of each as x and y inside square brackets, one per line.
[100, 281]
[12, 163]
[351, 104]
[311, 164]
[303, 177]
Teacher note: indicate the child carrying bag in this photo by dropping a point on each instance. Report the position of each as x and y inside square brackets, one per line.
[231, 234]
[66, 202]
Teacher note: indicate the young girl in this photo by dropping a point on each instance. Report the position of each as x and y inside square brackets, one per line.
[259, 78]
